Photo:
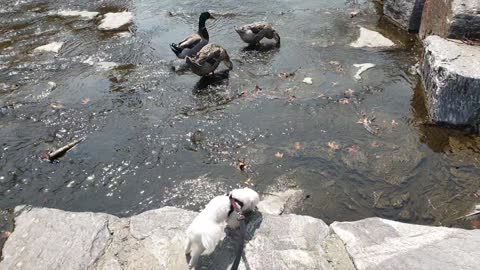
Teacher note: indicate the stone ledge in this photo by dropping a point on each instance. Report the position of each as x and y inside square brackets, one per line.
[451, 74]
[54, 239]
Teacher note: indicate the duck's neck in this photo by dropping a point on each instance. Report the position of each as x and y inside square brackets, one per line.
[201, 24]
[202, 30]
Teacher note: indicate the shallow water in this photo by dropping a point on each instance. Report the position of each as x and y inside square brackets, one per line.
[138, 118]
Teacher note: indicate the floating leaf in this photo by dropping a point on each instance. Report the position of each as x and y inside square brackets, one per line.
[353, 149]
[344, 101]
[286, 75]
[297, 146]
[85, 101]
[308, 80]
[333, 145]
[349, 92]
[57, 105]
[279, 155]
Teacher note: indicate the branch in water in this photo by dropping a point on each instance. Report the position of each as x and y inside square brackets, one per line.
[60, 151]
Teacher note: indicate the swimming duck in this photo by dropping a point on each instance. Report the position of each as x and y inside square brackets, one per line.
[208, 59]
[255, 32]
[196, 41]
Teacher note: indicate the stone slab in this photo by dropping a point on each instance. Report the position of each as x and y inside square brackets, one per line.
[459, 19]
[376, 243]
[405, 13]
[451, 74]
[46, 239]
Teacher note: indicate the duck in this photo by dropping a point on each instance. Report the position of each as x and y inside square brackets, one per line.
[208, 59]
[253, 33]
[196, 41]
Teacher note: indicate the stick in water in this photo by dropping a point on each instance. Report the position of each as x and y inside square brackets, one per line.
[60, 151]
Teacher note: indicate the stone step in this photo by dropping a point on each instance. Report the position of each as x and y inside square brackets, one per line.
[54, 239]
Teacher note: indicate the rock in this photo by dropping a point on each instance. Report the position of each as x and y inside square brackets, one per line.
[451, 75]
[287, 242]
[457, 19]
[116, 21]
[51, 47]
[406, 13]
[362, 68]
[376, 243]
[371, 39]
[54, 239]
[83, 14]
[336, 253]
[281, 202]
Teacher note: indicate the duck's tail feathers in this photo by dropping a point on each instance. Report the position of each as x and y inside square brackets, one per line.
[176, 49]
[228, 62]
[276, 36]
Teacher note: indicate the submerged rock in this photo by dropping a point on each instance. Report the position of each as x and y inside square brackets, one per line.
[278, 203]
[371, 39]
[51, 47]
[116, 21]
[451, 75]
[406, 13]
[376, 243]
[457, 19]
[83, 14]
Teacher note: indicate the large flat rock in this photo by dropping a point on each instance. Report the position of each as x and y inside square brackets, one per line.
[288, 242]
[376, 243]
[406, 13]
[451, 75]
[54, 239]
[457, 19]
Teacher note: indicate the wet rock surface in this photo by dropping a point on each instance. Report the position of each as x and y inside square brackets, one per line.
[457, 19]
[451, 75]
[54, 239]
[406, 13]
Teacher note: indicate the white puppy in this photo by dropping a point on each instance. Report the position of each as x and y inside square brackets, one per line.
[207, 229]
[247, 200]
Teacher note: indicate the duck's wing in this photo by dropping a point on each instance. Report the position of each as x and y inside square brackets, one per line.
[257, 27]
[211, 56]
[191, 41]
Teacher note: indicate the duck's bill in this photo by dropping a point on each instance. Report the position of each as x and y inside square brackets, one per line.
[211, 17]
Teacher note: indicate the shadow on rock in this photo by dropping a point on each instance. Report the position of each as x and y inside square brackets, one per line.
[218, 79]
[224, 255]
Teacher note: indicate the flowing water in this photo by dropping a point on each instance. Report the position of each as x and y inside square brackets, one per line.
[155, 138]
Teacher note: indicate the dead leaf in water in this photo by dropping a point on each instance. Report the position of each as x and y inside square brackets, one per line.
[297, 146]
[349, 92]
[279, 155]
[353, 149]
[57, 105]
[335, 63]
[344, 101]
[241, 165]
[286, 75]
[308, 80]
[333, 145]
[5, 234]
[85, 101]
